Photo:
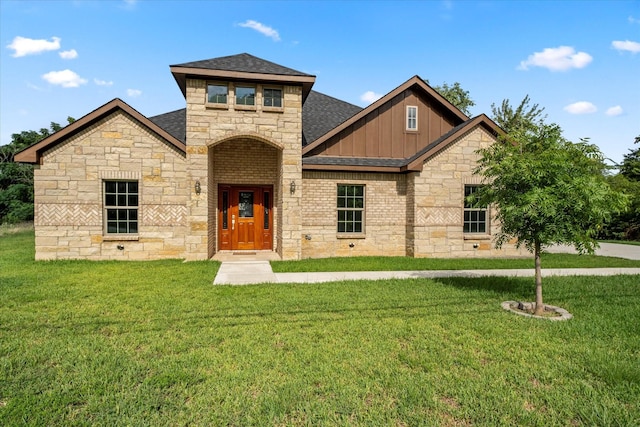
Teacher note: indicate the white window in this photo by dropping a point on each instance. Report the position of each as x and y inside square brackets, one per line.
[350, 208]
[475, 217]
[412, 118]
[121, 207]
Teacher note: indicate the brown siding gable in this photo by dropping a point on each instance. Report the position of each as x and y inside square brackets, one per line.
[413, 82]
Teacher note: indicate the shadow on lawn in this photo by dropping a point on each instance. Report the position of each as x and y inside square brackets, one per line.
[507, 286]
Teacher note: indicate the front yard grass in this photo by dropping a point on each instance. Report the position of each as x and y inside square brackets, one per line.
[155, 343]
[408, 264]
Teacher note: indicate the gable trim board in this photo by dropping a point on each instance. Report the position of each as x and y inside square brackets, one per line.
[202, 175]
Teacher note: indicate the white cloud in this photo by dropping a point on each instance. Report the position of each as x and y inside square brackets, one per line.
[582, 107]
[557, 59]
[68, 54]
[64, 78]
[370, 96]
[633, 47]
[24, 46]
[133, 93]
[614, 111]
[633, 20]
[102, 82]
[261, 28]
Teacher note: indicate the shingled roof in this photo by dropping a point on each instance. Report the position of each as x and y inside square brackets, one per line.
[320, 114]
[243, 63]
[174, 122]
[242, 67]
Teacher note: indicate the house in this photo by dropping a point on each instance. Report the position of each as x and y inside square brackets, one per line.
[258, 161]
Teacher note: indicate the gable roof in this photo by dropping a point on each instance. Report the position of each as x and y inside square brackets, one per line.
[33, 153]
[241, 67]
[321, 113]
[174, 122]
[413, 163]
[413, 82]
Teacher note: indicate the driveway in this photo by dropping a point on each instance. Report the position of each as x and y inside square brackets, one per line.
[606, 249]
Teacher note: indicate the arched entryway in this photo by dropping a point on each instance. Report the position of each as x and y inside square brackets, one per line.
[244, 180]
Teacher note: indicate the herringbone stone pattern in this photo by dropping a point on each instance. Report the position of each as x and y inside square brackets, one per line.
[438, 216]
[164, 215]
[67, 214]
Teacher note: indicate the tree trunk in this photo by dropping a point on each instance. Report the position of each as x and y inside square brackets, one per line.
[539, 305]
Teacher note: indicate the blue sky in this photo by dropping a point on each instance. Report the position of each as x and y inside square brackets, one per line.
[580, 60]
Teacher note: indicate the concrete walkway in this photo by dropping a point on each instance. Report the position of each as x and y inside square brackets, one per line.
[606, 249]
[240, 268]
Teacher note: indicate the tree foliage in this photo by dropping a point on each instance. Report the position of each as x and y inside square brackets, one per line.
[457, 96]
[626, 225]
[546, 189]
[16, 179]
[523, 117]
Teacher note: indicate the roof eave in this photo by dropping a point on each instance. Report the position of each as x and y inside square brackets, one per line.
[33, 153]
[350, 168]
[180, 75]
[417, 163]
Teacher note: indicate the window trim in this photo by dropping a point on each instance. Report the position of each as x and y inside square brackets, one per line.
[408, 118]
[466, 208]
[238, 106]
[105, 210]
[269, 107]
[216, 104]
[362, 221]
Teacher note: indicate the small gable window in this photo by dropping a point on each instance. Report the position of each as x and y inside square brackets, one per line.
[217, 93]
[121, 207]
[272, 97]
[412, 118]
[245, 95]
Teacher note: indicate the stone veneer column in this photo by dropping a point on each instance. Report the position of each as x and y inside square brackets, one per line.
[206, 126]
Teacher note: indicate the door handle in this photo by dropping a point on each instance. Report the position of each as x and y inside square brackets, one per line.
[233, 222]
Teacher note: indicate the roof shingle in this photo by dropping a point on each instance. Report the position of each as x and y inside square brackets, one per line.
[244, 63]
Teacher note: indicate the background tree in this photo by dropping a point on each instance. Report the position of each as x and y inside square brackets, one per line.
[457, 96]
[523, 117]
[547, 191]
[626, 225]
[16, 179]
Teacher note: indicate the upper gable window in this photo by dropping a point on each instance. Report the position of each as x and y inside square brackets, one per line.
[217, 93]
[412, 118]
[245, 95]
[272, 97]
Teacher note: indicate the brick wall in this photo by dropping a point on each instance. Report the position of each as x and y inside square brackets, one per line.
[416, 214]
[68, 187]
[385, 215]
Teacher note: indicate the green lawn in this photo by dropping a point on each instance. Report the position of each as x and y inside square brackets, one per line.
[405, 263]
[154, 343]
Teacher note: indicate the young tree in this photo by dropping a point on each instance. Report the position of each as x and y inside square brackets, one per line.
[16, 179]
[547, 191]
[457, 96]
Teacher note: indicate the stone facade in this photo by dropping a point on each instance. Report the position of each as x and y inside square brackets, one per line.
[413, 193]
[68, 189]
[417, 214]
[278, 128]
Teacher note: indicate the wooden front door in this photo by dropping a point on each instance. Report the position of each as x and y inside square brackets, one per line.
[245, 217]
